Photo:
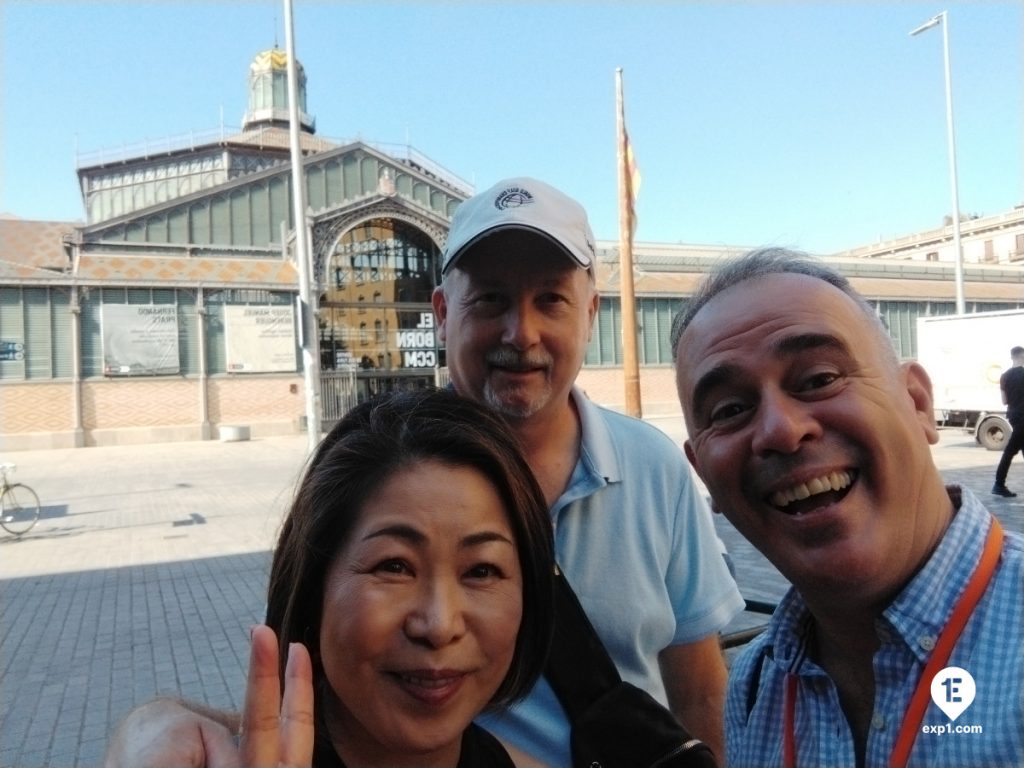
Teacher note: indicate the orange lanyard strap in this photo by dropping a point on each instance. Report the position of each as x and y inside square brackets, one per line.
[944, 645]
[962, 611]
[789, 725]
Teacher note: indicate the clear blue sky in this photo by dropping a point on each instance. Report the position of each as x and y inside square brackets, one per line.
[815, 125]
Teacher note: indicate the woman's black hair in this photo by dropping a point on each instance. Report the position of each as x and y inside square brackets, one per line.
[372, 442]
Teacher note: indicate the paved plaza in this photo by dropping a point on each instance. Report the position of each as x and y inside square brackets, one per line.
[149, 566]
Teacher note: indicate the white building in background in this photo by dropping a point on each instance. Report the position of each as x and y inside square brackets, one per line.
[169, 314]
[996, 239]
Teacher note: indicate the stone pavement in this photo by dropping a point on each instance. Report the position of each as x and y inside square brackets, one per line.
[149, 565]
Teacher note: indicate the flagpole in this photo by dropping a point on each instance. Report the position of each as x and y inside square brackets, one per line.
[306, 320]
[630, 365]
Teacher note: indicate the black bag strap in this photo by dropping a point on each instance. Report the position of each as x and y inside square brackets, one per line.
[587, 683]
[578, 668]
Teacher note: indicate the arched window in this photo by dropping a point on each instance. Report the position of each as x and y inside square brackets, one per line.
[386, 270]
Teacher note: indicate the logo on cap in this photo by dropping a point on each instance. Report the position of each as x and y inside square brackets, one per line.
[513, 197]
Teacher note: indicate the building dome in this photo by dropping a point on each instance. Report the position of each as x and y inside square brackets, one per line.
[275, 58]
[268, 93]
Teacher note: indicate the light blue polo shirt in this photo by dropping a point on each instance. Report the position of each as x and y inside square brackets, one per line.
[635, 539]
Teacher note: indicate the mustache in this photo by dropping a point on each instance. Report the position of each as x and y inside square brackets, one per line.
[505, 357]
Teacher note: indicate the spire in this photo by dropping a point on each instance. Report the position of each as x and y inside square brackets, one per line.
[268, 93]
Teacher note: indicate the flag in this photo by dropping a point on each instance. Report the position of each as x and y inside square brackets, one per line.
[629, 174]
[632, 177]
[629, 186]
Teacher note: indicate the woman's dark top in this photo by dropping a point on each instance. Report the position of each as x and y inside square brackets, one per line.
[479, 750]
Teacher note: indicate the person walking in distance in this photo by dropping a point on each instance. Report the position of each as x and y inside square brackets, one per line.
[1011, 384]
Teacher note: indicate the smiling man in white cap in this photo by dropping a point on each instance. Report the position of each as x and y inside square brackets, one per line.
[515, 311]
[517, 302]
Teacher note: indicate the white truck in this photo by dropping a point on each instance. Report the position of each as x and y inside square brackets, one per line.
[965, 355]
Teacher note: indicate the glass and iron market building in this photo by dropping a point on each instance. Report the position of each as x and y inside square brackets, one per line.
[170, 313]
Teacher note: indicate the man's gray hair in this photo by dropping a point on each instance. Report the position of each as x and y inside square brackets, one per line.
[762, 262]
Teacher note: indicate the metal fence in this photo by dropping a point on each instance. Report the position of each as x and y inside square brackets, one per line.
[342, 390]
[338, 395]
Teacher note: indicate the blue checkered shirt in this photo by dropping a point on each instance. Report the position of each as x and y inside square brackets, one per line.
[991, 648]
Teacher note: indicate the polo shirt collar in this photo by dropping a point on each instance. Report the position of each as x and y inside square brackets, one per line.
[597, 448]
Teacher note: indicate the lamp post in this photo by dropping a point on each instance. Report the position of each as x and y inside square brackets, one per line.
[309, 331]
[958, 252]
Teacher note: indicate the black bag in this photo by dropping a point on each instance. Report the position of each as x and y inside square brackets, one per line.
[614, 724]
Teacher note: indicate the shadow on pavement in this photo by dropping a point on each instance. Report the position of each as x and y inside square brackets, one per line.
[82, 648]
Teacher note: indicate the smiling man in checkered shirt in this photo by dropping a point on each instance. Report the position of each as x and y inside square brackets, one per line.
[814, 441]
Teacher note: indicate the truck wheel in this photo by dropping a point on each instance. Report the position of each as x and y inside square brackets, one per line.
[993, 432]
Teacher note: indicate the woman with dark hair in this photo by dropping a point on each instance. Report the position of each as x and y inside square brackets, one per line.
[415, 565]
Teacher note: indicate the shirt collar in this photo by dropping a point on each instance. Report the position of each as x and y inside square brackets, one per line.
[789, 631]
[597, 449]
[912, 615]
[598, 463]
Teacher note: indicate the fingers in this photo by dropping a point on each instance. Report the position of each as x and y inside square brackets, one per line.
[275, 731]
[219, 747]
[262, 702]
[297, 709]
[168, 732]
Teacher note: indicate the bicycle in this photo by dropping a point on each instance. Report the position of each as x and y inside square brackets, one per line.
[19, 504]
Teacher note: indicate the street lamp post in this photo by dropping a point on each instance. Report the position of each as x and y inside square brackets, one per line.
[309, 331]
[957, 250]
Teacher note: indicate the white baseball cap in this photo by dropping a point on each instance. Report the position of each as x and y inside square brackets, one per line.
[524, 204]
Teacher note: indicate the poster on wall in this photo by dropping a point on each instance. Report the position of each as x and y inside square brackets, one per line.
[139, 339]
[259, 339]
